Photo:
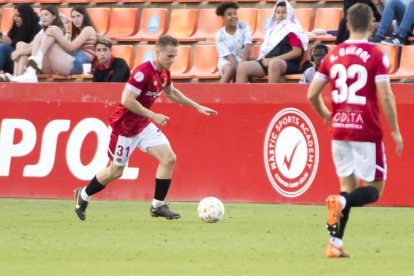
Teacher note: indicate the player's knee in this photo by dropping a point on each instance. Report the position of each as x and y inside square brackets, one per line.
[116, 172]
[169, 160]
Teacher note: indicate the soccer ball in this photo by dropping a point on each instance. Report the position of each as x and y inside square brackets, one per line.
[210, 209]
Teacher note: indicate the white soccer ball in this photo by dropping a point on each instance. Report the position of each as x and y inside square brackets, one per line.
[210, 209]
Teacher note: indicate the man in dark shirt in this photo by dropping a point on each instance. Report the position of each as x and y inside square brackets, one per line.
[110, 68]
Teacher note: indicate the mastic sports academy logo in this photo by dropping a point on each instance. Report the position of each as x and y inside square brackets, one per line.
[291, 152]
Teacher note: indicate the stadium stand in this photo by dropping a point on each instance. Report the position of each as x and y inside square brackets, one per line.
[304, 16]
[183, 23]
[263, 18]
[153, 23]
[123, 51]
[326, 19]
[182, 61]
[7, 19]
[100, 18]
[406, 68]
[202, 67]
[143, 52]
[123, 22]
[392, 53]
[249, 16]
[207, 27]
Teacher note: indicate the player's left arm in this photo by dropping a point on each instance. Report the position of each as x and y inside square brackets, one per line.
[316, 100]
[177, 96]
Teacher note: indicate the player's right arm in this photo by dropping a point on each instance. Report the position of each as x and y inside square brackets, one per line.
[387, 100]
[316, 100]
[130, 102]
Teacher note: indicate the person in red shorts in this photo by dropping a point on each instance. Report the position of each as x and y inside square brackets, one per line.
[357, 73]
[131, 127]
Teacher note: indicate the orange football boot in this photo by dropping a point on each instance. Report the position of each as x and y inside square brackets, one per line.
[332, 251]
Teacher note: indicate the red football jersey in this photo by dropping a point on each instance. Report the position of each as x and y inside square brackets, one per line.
[147, 82]
[352, 69]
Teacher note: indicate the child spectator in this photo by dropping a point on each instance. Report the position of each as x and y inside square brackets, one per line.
[282, 48]
[110, 68]
[233, 41]
[318, 52]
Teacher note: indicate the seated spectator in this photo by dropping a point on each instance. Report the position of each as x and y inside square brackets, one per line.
[281, 51]
[110, 68]
[404, 14]
[318, 52]
[343, 32]
[25, 27]
[233, 41]
[55, 54]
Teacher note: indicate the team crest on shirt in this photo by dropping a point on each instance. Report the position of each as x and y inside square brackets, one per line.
[291, 152]
[139, 76]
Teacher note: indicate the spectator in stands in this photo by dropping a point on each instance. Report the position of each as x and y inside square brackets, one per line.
[233, 41]
[343, 32]
[55, 54]
[318, 52]
[25, 27]
[110, 68]
[49, 17]
[403, 12]
[282, 49]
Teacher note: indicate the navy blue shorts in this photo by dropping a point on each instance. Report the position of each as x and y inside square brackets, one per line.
[292, 67]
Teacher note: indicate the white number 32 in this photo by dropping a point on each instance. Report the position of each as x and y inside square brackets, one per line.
[348, 93]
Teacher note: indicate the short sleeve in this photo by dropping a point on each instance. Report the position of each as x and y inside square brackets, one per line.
[222, 49]
[137, 81]
[294, 40]
[381, 70]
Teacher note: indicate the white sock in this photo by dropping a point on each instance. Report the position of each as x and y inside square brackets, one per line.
[39, 55]
[343, 201]
[84, 195]
[157, 203]
[31, 70]
[337, 242]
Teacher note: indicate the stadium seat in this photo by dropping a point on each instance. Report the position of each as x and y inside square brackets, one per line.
[133, 1]
[304, 16]
[182, 23]
[182, 61]
[327, 19]
[6, 19]
[263, 18]
[161, 1]
[78, 1]
[20, 1]
[66, 11]
[406, 68]
[47, 2]
[123, 22]
[249, 16]
[255, 51]
[100, 18]
[392, 53]
[123, 51]
[143, 53]
[188, 1]
[153, 23]
[204, 65]
[208, 26]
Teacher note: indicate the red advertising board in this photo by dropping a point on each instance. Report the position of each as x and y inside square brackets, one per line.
[266, 145]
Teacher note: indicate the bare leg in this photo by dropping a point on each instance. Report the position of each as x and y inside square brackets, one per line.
[166, 158]
[247, 70]
[109, 174]
[59, 60]
[277, 67]
[229, 72]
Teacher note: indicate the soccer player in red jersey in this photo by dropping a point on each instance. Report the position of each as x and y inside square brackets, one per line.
[130, 126]
[357, 74]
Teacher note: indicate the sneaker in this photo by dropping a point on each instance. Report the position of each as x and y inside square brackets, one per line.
[28, 77]
[6, 77]
[334, 214]
[395, 40]
[332, 251]
[376, 39]
[80, 205]
[163, 211]
[36, 62]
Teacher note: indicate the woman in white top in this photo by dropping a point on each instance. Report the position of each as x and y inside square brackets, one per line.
[233, 41]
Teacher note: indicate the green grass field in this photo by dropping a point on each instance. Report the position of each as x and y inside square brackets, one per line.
[44, 237]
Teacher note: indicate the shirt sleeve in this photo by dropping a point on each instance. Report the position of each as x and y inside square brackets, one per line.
[294, 40]
[381, 72]
[222, 49]
[137, 81]
[323, 71]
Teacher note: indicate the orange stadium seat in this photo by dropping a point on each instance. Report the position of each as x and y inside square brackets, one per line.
[304, 16]
[66, 11]
[123, 51]
[327, 19]
[47, 2]
[249, 16]
[100, 18]
[143, 53]
[6, 19]
[188, 1]
[122, 22]
[255, 51]
[161, 1]
[204, 64]
[153, 23]
[20, 1]
[133, 1]
[392, 53]
[183, 23]
[182, 61]
[263, 18]
[406, 69]
[208, 26]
